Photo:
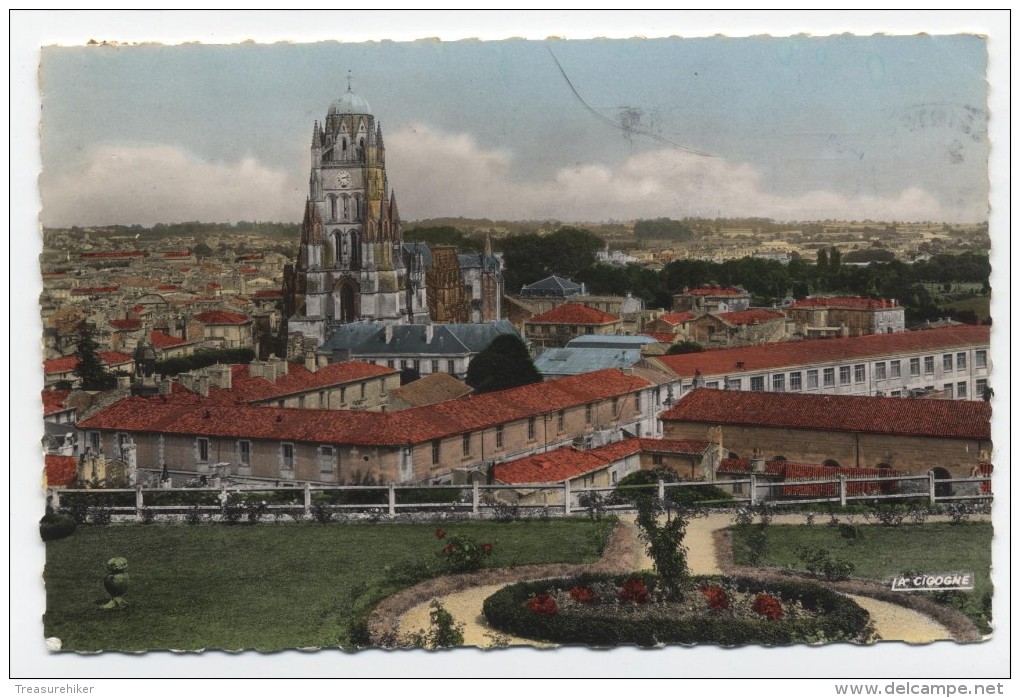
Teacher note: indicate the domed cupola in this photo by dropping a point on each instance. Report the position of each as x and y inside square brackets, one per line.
[350, 103]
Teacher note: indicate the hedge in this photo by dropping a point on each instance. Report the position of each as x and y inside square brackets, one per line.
[841, 619]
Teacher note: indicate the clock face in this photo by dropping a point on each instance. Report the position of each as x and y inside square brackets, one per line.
[343, 180]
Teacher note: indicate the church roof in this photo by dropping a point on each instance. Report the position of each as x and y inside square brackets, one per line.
[426, 252]
[553, 286]
[350, 103]
[364, 338]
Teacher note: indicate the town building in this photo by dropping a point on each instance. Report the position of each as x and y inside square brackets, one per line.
[62, 369]
[450, 442]
[423, 349]
[738, 327]
[351, 264]
[226, 330]
[556, 327]
[586, 467]
[902, 364]
[845, 316]
[848, 431]
[712, 299]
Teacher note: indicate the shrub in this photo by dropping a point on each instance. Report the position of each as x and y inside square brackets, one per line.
[101, 516]
[718, 599]
[643, 484]
[665, 545]
[582, 594]
[543, 604]
[634, 590]
[851, 532]
[254, 510]
[322, 512]
[193, 515]
[77, 510]
[819, 563]
[148, 515]
[463, 554]
[891, 515]
[505, 512]
[233, 510]
[768, 606]
[54, 526]
[610, 625]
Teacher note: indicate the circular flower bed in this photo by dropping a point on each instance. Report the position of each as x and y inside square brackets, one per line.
[608, 610]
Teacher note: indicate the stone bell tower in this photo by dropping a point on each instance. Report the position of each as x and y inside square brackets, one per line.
[350, 264]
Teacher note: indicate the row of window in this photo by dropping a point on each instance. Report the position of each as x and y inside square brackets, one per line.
[416, 364]
[808, 379]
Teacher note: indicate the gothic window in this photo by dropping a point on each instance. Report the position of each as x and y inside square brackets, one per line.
[332, 208]
[347, 207]
[357, 207]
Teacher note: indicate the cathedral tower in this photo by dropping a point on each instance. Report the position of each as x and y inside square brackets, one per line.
[350, 265]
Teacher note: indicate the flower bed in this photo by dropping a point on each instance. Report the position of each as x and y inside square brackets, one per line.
[605, 610]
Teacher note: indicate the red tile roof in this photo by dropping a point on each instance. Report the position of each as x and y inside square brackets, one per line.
[568, 462]
[183, 253]
[849, 302]
[714, 291]
[65, 364]
[951, 419]
[574, 314]
[752, 316]
[248, 270]
[126, 324]
[221, 317]
[820, 351]
[53, 401]
[298, 379]
[60, 470]
[168, 287]
[678, 318]
[416, 425]
[162, 340]
[663, 337]
[268, 293]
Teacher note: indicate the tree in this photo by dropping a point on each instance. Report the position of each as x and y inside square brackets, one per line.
[685, 347]
[90, 369]
[505, 363]
[202, 250]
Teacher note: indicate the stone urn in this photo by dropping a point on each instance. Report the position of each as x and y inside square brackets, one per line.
[116, 584]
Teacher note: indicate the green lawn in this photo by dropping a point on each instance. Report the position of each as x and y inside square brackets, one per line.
[266, 587]
[885, 551]
[981, 305]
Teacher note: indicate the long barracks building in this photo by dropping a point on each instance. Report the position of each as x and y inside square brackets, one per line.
[454, 441]
[903, 364]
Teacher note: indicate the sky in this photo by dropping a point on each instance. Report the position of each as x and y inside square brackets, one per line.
[789, 128]
[125, 145]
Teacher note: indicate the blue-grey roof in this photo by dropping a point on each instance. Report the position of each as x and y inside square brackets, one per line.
[611, 341]
[572, 361]
[553, 286]
[455, 339]
[426, 252]
[485, 262]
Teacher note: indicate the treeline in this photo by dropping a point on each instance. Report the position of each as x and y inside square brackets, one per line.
[571, 253]
[663, 229]
[203, 358]
[444, 235]
[159, 231]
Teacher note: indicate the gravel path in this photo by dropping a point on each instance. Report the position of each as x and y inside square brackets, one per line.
[892, 622]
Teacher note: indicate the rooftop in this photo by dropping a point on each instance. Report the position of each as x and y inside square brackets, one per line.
[951, 419]
[847, 302]
[574, 314]
[168, 414]
[821, 351]
[221, 317]
[714, 291]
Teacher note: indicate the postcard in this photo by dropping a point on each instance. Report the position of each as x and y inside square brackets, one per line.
[517, 348]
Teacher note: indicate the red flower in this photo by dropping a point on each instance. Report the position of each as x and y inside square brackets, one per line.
[768, 606]
[718, 600]
[582, 594]
[449, 549]
[634, 591]
[440, 534]
[487, 548]
[543, 604]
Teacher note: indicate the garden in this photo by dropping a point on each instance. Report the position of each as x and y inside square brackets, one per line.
[273, 587]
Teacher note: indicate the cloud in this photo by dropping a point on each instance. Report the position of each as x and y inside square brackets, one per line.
[451, 175]
[437, 174]
[162, 184]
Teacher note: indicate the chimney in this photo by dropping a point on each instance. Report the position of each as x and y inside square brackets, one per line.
[203, 385]
[310, 361]
[279, 364]
[428, 333]
[321, 360]
[123, 381]
[165, 386]
[389, 333]
[740, 365]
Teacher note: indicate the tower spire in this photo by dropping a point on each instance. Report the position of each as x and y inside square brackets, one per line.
[349, 80]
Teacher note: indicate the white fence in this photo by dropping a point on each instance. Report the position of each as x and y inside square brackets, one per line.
[484, 500]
